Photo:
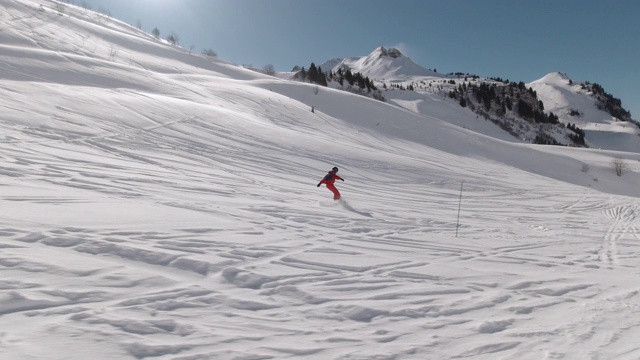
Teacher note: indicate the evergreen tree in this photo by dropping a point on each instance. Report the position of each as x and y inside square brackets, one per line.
[312, 74]
[508, 103]
[360, 80]
[303, 74]
[322, 79]
[349, 77]
[525, 110]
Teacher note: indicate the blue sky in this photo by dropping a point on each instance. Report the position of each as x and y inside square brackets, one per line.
[596, 41]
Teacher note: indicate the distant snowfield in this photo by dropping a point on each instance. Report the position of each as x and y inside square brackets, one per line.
[160, 205]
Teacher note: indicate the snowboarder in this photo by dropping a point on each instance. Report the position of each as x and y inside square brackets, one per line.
[329, 179]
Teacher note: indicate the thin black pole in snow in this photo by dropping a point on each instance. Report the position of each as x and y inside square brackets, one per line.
[459, 205]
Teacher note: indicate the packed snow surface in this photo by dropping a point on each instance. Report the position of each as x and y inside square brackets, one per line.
[162, 205]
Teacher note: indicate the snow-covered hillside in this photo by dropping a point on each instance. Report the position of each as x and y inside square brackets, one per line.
[572, 102]
[157, 204]
[576, 105]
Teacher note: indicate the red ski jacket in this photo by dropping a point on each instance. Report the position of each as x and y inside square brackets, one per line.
[330, 178]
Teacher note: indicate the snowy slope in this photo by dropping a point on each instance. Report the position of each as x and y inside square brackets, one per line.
[161, 205]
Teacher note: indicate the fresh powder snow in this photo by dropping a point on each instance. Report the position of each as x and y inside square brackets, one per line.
[156, 204]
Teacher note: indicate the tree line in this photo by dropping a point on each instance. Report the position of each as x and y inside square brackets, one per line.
[315, 75]
[505, 97]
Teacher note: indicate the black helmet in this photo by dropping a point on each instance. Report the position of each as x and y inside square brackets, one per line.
[335, 169]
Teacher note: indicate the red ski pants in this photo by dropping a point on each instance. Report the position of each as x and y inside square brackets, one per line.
[336, 193]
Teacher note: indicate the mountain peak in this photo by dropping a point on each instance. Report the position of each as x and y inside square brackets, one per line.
[382, 52]
[555, 78]
[383, 63]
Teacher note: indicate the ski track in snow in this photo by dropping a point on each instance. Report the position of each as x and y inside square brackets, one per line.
[179, 219]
